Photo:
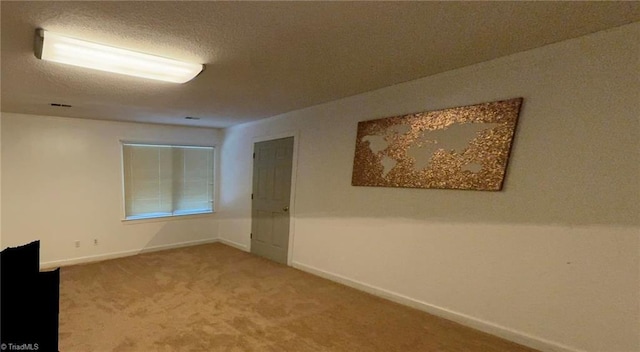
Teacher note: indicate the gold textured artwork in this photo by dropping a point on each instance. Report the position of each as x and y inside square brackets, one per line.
[458, 148]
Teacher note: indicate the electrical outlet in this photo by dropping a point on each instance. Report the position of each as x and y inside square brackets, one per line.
[95, 241]
[77, 244]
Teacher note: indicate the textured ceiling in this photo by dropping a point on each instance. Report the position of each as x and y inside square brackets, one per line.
[267, 58]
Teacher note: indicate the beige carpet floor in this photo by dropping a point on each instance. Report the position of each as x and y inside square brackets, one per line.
[216, 298]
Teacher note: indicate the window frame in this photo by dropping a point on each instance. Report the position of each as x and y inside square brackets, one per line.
[164, 216]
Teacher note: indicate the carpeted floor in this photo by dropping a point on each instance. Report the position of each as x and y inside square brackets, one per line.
[217, 298]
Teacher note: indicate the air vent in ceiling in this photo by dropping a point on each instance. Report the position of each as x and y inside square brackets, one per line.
[60, 105]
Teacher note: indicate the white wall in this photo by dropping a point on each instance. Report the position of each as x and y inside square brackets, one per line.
[62, 182]
[551, 261]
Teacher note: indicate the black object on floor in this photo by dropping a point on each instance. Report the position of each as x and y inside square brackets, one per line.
[29, 301]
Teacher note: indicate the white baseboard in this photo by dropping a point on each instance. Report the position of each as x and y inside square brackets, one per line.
[114, 255]
[478, 324]
[234, 244]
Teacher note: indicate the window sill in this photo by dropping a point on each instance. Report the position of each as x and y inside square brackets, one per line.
[163, 218]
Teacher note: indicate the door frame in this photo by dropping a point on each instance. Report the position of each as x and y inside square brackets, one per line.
[294, 172]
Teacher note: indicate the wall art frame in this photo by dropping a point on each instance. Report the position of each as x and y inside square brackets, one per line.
[465, 148]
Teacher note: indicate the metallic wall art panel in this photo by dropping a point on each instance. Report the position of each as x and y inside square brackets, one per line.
[458, 148]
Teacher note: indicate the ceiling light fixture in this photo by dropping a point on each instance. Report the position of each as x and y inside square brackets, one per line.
[57, 48]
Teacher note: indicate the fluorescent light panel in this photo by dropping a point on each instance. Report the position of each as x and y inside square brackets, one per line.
[58, 48]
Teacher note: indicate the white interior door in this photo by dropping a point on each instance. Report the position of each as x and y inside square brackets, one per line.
[272, 163]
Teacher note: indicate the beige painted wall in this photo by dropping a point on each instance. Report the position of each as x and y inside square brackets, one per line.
[62, 182]
[552, 261]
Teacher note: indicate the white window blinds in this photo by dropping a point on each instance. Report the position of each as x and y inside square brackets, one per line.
[165, 180]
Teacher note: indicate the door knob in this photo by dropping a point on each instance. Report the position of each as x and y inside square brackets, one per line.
[285, 208]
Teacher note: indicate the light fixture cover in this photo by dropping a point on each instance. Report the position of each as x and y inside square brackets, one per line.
[58, 48]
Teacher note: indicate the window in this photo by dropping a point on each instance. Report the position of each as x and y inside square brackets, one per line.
[167, 180]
